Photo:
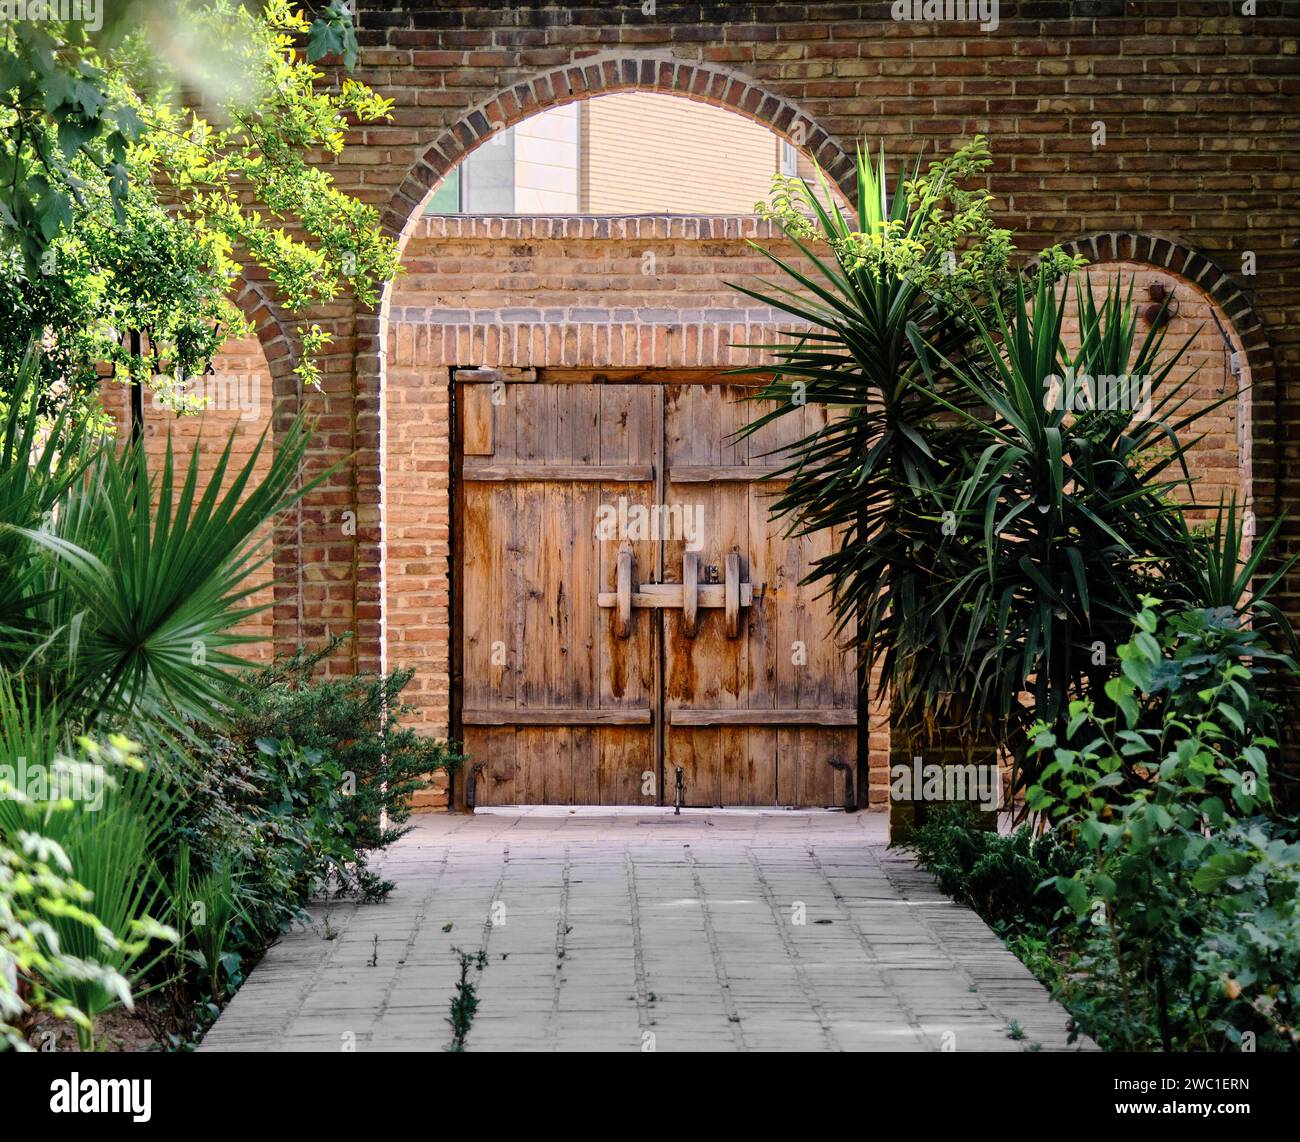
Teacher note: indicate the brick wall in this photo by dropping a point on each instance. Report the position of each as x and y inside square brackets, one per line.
[1194, 175]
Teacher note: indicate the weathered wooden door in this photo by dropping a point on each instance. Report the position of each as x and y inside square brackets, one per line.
[629, 608]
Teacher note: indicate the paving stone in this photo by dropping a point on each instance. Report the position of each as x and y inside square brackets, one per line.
[631, 930]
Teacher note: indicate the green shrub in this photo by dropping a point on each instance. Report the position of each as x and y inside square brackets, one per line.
[1000, 877]
[79, 945]
[355, 723]
[1187, 908]
[309, 777]
[1250, 947]
[286, 801]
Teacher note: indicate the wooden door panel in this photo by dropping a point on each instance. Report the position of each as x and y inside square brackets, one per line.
[784, 667]
[555, 707]
[723, 765]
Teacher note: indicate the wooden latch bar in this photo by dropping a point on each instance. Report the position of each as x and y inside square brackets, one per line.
[689, 596]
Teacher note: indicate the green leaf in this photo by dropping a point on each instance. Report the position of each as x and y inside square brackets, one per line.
[1218, 870]
[1076, 895]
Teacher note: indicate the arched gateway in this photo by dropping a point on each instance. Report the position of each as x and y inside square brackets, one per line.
[459, 73]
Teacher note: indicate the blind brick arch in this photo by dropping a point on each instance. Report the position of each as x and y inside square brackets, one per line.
[1261, 412]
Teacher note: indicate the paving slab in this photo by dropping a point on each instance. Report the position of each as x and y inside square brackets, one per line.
[639, 930]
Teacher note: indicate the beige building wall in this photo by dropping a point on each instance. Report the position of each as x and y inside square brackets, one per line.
[643, 153]
[546, 162]
[631, 152]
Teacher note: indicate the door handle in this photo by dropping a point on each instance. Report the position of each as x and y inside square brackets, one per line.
[690, 593]
[731, 595]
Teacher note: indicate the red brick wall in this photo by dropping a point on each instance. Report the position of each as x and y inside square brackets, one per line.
[1194, 175]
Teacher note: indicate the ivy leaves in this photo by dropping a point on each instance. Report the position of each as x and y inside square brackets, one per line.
[332, 34]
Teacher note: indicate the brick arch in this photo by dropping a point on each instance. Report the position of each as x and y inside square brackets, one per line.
[261, 311]
[570, 83]
[281, 352]
[588, 78]
[1170, 253]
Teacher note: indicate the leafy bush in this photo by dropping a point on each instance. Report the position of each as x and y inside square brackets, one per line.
[999, 876]
[274, 815]
[1187, 907]
[356, 720]
[1251, 945]
[73, 947]
[287, 800]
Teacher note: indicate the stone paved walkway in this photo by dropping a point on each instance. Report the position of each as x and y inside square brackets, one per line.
[633, 930]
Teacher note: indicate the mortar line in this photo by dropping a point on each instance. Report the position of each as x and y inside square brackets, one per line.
[486, 931]
[638, 945]
[995, 1012]
[287, 1020]
[412, 936]
[719, 968]
[561, 930]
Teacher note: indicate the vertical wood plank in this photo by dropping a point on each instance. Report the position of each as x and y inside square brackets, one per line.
[477, 434]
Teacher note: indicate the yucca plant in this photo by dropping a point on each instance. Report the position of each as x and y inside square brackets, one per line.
[1076, 510]
[1065, 518]
[993, 539]
[908, 272]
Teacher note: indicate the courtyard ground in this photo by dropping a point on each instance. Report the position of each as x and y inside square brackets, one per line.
[635, 930]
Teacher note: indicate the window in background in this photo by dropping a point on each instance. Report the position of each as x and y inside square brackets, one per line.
[789, 158]
[446, 198]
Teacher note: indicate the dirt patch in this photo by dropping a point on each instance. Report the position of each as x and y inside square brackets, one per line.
[117, 1030]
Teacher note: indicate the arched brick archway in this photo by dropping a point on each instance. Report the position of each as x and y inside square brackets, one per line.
[582, 79]
[268, 326]
[1171, 254]
[602, 75]
[280, 348]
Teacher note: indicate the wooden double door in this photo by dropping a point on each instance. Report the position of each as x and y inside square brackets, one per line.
[628, 607]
